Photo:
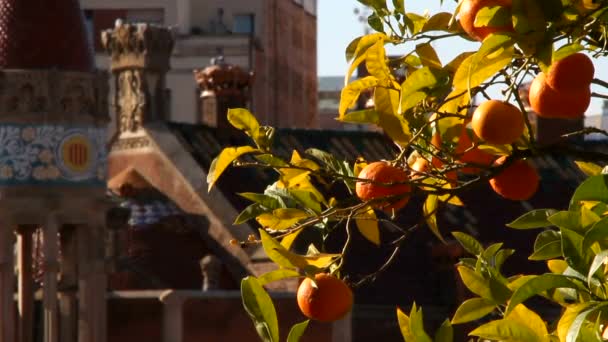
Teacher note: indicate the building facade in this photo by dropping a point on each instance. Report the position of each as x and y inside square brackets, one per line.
[276, 38]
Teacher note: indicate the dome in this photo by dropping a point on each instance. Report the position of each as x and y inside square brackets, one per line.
[44, 34]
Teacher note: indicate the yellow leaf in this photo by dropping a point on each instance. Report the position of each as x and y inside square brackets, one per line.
[557, 266]
[242, 119]
[350, 93]
[386, 100]
[590, 169]
[225, 158]
[404, 326]
[290, 238]
[567, 317]
[360, 164]
[530, 319]
[363, 44]
[281, 219]
[428, 56]
[375, 61]
[451, 199]
[367, 224]
[275, 252]
[321, 260]
[430, 210]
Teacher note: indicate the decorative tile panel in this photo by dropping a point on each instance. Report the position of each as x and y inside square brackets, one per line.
[52, 154]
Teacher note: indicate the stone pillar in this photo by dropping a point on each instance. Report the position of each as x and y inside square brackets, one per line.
[7, 284]
[92, 283]
[222, 86]
[139, 59]
[173, 320]
[50, 267]
[68, 283]
[85, 324]
[26, 282]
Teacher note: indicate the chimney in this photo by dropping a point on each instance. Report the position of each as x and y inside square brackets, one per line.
[222, 86]
[548, 131]
[139, 60]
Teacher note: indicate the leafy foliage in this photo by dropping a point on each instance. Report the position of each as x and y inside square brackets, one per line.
[424, 106]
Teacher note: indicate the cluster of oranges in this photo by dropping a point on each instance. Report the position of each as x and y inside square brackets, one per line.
[562, 92]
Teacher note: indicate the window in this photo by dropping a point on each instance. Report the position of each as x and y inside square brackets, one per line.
[243, 23]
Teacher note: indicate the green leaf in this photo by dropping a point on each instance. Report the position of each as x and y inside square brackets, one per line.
[297, 330]
[367, 224]
[567, 219]
[533, 219]
[590, 169]
[281, 273]
[307, 199]
[417, 22]
[468, 243]
[475, 282]
[505, 330]
[404, 326]
[536, 286]
[598, 261]
[572, 250]
[430, 215]
[243, 120]
[495, 53]
[350, 93]
[595, 188]
[394, 125]
[250, 212]
[445, 332]
[597, 233]
[414, 87]
[563, 52]
[259, 306]
[225, 158]
[548, 245]
[501, 257]
[269, 202]
[417, 325]
[473, 309]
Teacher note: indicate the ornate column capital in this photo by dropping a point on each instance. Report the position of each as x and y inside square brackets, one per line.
[138, 46]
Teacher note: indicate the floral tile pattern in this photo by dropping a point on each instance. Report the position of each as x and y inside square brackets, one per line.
[34, 154]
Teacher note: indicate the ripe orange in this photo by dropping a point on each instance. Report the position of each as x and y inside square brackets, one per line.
[498, 122]
[471, 155]
[518, 182]
[571, 73]
[328, 302]
[551, 103]
[468, 13]
[381, 176]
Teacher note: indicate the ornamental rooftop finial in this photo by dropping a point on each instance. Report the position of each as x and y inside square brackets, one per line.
[138, 46]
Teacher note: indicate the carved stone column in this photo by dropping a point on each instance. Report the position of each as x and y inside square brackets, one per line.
[7, 283]
[26, 282]
[51, 267]
[140, 58]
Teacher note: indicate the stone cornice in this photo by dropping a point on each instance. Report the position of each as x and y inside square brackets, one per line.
[138, 46]
[52, 96]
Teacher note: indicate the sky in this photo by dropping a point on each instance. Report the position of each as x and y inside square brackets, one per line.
[338, 25]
